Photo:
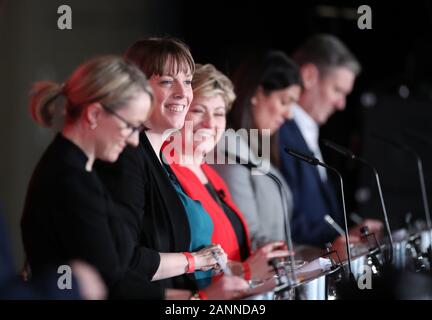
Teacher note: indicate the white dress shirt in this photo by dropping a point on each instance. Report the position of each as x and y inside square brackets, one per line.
[310, 132]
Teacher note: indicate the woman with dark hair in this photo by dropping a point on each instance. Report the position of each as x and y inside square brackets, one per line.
[266, 87]
[162, 216]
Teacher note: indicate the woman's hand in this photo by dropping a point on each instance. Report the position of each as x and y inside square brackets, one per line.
[204, 259]
[374, 226]
[91, 285]
[259, 260]
[339, 244]
[227, 288]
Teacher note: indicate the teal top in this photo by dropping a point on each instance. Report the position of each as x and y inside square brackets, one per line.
[200, 224]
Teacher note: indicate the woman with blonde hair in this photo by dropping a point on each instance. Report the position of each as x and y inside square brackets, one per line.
[204, 127]
[68, 213]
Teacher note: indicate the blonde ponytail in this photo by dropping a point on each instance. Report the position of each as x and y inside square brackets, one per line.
[110, 80]
[43, 97]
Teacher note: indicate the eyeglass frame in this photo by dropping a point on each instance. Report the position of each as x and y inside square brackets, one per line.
[140, 128]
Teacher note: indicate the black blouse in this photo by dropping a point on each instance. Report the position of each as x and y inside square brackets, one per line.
[155, 214]
[69, 214]
[235, 222]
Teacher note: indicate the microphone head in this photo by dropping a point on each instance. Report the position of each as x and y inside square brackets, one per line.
[417, 136]
[364, 230]
[343, 151]
[238, 160]
[389, 141]
[221, 193]
[302, 156]
[328, 219]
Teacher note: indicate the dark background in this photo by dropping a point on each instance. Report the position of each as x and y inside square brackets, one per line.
[392, 93]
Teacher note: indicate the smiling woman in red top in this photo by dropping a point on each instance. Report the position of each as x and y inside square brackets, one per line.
[204, 126]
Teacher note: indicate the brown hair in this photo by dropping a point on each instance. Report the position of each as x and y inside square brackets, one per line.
[271, 70]
[326, 52]
[151, 55]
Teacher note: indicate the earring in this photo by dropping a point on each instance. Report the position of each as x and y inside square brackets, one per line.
[93, 126]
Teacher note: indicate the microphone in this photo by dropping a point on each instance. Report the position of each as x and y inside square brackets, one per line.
[418, 136]
[410, 150]
[221, 194]
[350, 155]
[333, 224]
[356, 218]
[344, 151]
[427, 141]
[309, 159]
[394, 143]
[290, 245]
[314, 161]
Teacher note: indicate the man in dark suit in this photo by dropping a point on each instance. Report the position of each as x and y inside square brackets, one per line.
[328, 71]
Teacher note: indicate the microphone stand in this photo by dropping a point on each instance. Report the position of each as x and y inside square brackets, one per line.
[314, 161]
[408, 149]
[349, 154]
[293, 279]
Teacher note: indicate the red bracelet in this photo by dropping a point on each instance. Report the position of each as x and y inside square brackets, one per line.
[246, 271]
[191, 262]
[202, 295]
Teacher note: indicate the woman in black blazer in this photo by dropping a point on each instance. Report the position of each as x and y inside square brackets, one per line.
[68, 212]
[143, 184]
